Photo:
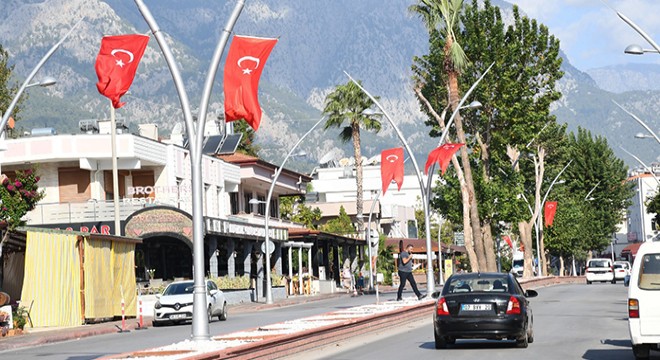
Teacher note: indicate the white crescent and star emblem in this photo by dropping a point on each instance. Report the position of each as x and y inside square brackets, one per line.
[391, 158]
[247, 71]
[550, 206]
[119, 62]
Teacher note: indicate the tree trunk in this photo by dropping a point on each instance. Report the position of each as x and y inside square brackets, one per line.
[467, 170]
[467, 230]
[562, 265]
[489, 246]
[525, 229]
[358, 176]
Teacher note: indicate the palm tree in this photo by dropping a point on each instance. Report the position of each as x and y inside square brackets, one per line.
[443, 16]
[347, 104]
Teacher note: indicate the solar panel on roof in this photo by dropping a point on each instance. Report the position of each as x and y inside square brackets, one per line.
[212, 144]
[230, 144]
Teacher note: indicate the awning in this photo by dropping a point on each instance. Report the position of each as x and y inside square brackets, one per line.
[631, 249]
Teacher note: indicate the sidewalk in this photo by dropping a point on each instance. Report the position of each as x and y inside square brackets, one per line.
[40, 336]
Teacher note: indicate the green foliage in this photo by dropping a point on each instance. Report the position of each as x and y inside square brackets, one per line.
[582, 223]
[7, 91]
[19, 316]
[19, 196]
[237, 282]
[346, 104]
[247, 145]
[340, 225]
[292, 208]
[653, 207]
[385, 262]
[516, 96]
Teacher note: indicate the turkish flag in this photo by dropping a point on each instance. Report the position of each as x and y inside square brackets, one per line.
[116, 64]
[507, 238]
[391, 167]
[550, 209]
[442, 155]
[245, 62]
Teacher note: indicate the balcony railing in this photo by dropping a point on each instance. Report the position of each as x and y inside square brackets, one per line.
[84, 212]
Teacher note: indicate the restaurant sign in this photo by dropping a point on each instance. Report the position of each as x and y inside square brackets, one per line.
[155, 221]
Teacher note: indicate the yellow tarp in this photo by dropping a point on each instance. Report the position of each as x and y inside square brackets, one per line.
[52, 279]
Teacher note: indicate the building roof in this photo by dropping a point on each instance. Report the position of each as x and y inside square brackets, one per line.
[302, 234]
[248, 160]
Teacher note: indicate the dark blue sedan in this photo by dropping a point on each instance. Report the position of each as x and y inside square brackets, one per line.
[483, 306]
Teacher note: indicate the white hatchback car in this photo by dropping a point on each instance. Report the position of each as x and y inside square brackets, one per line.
[644, 300]
[600, 269]
[175, 304]
[621, 269]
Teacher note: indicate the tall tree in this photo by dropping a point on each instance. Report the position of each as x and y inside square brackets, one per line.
[515, 116]
[345, 109]
[442, 18]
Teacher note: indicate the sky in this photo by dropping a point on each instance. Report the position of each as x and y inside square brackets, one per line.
[590, 32]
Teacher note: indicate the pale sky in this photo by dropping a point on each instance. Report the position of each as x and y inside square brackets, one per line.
[591, 33]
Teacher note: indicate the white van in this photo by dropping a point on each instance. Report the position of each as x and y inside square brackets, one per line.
[644, 300]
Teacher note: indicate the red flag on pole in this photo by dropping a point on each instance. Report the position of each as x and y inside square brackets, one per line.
[245, 62]
[550, 209]
[507, 238]
[116, 64]
[442, 155]
[391, 167]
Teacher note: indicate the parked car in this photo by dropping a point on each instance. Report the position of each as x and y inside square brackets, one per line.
[600, 269]
[621, 269]
[643, 300]
[175, 304]
[483, 306]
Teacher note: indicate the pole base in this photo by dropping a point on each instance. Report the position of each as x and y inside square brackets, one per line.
[122, 330]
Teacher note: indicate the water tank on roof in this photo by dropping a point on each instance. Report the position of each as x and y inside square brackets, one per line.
[43, 132]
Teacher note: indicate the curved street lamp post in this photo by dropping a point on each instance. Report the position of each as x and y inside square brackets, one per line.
[200, 324]
[269, 288]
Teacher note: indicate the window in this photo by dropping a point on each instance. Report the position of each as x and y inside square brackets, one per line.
[273, 208]
[247, 207]
[75, 185]
[233, 200]
[649, 272]
[262, 205]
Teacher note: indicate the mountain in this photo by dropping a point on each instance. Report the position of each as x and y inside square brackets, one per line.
[372, 40]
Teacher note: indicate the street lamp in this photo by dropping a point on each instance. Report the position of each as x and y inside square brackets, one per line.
[640, 135]
[46, 82]
[639, 121]
[269, 289]
[635, 49]
[430, 282]
[200, 324]
[538, 219]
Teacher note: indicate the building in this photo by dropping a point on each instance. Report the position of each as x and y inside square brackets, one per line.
[639, 226]
[155, 199]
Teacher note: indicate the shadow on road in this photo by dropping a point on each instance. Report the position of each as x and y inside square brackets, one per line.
[603, 354]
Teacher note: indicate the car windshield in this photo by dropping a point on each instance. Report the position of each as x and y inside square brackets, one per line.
[599, 263]
[649, 273]
[179, 288]
[518, 263]
[618, 266]
[481, 283]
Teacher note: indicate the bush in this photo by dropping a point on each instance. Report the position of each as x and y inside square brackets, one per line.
[243, 282]
[19, 315]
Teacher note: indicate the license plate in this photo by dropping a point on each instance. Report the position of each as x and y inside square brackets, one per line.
[177, 316]
[476, 307]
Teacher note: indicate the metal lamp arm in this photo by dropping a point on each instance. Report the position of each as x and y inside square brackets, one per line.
[29, 78]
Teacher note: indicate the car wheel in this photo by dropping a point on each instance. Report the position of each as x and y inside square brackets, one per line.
[522, 343]
[451, 340]
[155, 323]
[530, 336]
[210, 314]
[641, 351]
[440, 341]
[613, 281]
[588, 282]
[223, 314]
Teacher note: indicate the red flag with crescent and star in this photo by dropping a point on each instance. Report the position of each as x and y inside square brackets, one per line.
[117, 63]
[391, 167]
[442, 155]
[550, 208]
[245, 62]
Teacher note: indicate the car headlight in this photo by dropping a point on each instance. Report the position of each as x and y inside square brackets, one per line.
[157, 305]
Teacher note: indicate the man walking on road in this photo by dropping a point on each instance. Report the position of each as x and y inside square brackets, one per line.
[405, 272]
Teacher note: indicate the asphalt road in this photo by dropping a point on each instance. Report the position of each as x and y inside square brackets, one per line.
[116, 343]
[570, 322]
